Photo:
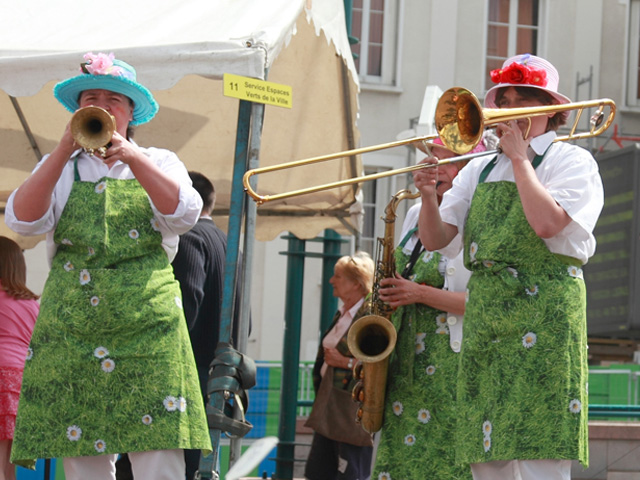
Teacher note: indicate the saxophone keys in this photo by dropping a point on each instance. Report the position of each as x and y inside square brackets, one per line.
[359, 416]
[357, 394]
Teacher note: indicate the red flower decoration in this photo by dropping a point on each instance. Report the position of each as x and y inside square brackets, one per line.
[520, 74]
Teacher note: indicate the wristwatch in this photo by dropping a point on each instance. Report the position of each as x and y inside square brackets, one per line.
[350, 364]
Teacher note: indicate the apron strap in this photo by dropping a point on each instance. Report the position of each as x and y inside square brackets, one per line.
[406, 238]
[537, 160]
[487, 169]
[76, 172]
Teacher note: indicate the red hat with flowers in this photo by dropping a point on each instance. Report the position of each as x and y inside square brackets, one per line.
[525, 71]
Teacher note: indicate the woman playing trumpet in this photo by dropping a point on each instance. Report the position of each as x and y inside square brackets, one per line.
[112, 369]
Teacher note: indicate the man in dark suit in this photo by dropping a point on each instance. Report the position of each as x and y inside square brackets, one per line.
[199, 267]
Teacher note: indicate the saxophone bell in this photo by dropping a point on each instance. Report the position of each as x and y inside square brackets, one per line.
[372, 338]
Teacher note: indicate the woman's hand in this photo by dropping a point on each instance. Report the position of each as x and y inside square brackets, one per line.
[544, 214]
[123, 150]
[334, 358]
[512, 141]
[162, 189]
[426, 179]
[399, 291]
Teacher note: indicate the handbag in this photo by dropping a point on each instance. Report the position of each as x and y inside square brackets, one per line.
[334, 414]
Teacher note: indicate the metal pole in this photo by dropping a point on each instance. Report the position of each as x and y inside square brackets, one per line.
[290, 359]
[208, 465]
[257, 115]
[331, 253]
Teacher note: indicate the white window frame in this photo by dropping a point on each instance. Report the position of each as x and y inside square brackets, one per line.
[513, 25]
[386, 187]
[633, 50]
[383, 188]
[391, 45]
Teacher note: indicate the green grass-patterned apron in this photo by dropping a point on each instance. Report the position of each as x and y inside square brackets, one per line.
[110, 367]
[417, 436]
[523, 380]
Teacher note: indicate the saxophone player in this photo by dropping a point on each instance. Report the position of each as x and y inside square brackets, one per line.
[428, 294]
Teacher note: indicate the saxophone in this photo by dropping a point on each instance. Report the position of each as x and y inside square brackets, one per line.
[372, 338]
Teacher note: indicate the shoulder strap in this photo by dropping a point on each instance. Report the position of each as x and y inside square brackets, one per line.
[417, 250]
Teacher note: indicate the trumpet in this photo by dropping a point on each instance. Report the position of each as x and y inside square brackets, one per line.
[460, 122]
[92, 128]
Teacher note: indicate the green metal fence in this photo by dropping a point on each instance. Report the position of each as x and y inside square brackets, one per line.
[614, 392]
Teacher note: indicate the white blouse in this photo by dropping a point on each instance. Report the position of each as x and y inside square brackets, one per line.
[339, 330]
[455, 273]
[92, 169]
[568, 172]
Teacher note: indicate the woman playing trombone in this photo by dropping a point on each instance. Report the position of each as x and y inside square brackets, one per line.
[526, 216]
[429, 297]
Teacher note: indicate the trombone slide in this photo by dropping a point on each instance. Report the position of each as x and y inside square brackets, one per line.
[460, 121]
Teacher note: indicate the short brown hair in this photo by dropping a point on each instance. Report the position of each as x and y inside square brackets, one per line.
[555, 122]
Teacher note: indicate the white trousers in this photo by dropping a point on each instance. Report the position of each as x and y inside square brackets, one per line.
[152, 465]
[522, 470]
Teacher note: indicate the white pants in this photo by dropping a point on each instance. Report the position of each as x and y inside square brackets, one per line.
[152, 465]
[522, 470]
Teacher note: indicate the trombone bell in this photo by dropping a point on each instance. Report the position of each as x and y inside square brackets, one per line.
[92, 128]
[460, 118]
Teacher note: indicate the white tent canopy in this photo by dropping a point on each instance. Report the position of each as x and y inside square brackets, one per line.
[181, 49]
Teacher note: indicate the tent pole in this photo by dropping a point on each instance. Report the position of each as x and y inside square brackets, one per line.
[257, 117]
[26, 128]
[290, 358]
[331, 244]
[209, 464]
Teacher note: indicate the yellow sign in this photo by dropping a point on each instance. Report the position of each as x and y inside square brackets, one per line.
[259, 91]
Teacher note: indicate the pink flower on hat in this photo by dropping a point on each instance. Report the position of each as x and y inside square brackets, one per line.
[100, 64]
[520, 73]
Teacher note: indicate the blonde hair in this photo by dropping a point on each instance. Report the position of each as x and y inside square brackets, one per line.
[13, 270]
[360, 268]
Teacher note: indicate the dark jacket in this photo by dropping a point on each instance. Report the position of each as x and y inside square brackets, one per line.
[199, 267]
[341, 377]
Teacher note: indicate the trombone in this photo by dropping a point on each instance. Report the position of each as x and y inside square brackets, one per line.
[460, 121]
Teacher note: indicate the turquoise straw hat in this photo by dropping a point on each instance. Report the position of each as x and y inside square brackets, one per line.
[103, 71]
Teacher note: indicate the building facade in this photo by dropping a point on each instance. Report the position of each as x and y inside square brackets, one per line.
[407, 47]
